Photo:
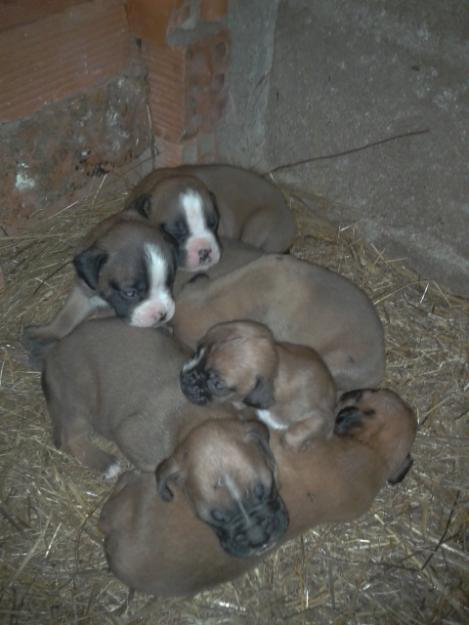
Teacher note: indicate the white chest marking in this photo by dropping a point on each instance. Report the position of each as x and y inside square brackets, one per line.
[270, 420]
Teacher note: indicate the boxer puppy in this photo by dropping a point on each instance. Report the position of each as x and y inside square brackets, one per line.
[182, 207]
[126, 267]
[301, 303]
[289, 385]
[119, 236]
[188, 201]
[122, 382]
[162, 549]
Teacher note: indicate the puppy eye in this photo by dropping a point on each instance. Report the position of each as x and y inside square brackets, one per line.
[129, 293]
[218, 515]
[178, 229]
[259, 491]
[212, 222]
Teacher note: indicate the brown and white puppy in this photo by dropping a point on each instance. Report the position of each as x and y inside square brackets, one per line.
[122, 382]
[226, 470]
[301, 303]
[164, 550]
[192, 201]
[289, 385]
[123, 240]
[124, 266]
[182, 207]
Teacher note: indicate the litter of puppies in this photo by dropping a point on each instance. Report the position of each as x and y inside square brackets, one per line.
[60, 504]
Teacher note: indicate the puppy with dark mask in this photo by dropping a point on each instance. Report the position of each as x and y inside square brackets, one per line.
[288, 385]
[193, 203]
[124, 267]
[301, 303]
[122, 383]
[123, 264]
[164, 550]
[183, 208]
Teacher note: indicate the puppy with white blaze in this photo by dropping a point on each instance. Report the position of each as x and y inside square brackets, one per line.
[201, 249]
[183, 209]
[166, 551]
[288, 385]
[158, 307]
[122, 382]
[196, 203]
[125, 267]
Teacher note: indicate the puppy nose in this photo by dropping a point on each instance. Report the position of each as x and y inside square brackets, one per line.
[257, 537]
[204, 254]
[163, 316]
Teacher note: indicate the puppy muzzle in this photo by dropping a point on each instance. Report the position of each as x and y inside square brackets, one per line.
[254, 531]
[194, 386]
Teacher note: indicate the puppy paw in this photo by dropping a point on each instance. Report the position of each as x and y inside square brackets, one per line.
[35, 347]
[113, 470]
[347, 419]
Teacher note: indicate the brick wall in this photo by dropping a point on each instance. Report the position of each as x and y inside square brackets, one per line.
[81, 80]
[186, 48]
[73, 101]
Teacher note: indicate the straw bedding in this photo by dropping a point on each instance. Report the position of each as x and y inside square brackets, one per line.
[405, 562]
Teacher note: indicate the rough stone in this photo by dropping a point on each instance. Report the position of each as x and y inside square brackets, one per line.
[343, 73]
[54, 152]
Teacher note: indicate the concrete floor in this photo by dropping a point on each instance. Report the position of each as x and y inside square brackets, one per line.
[316, 77]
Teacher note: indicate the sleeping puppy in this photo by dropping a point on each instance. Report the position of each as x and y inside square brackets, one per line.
[289, 385]
[301, 303]
[122, 382]
[182, 207]
[112, 266]
[162, 549]
[124, 266]
[192, 201]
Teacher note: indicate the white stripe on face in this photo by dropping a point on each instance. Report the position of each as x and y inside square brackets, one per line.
[159, 302]
[191, 364]
[200, 237]
[236, 495]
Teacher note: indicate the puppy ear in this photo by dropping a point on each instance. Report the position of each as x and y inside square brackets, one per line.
[88, 265]
[167, 471]
[257, 429]
[400, 474]
[260, 433]
[262, 395]
[348, 419]
[141, 205]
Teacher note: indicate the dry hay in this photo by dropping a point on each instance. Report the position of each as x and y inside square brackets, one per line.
[405, 562]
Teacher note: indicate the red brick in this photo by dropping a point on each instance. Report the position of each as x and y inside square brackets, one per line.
[213, 10]
[61, 55]
[26, 11]
[149, 19]
[166, 77]
[183, 16]
[206, 91]
[170, 153]
[200, 67]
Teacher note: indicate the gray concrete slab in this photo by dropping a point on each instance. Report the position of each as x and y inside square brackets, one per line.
[347, 72]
